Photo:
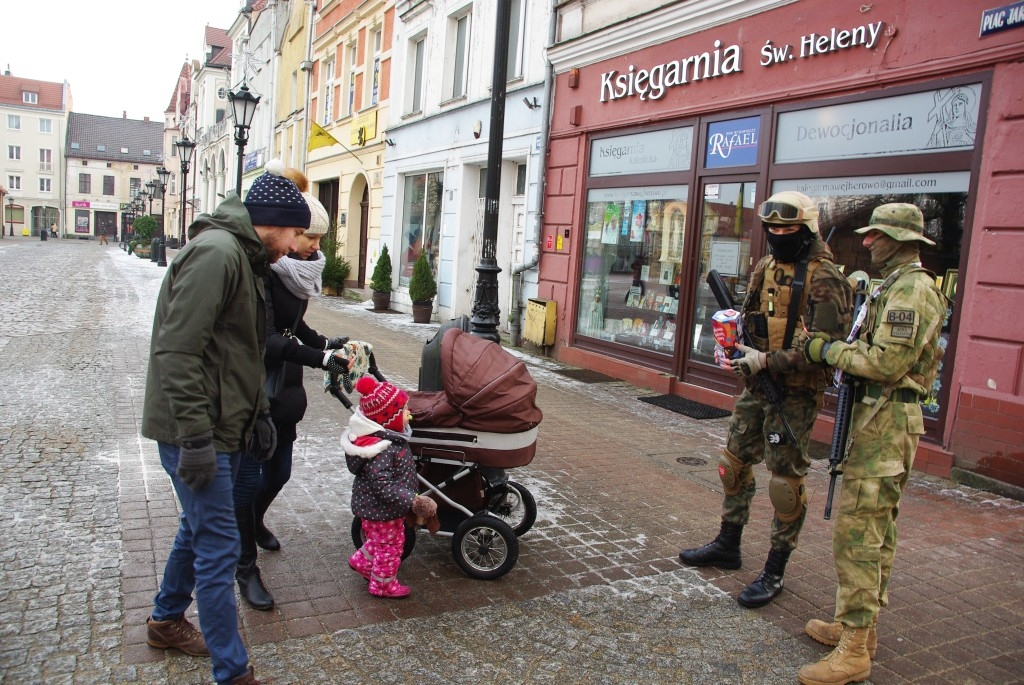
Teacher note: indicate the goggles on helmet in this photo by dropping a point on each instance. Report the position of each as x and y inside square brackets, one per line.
[781, 211]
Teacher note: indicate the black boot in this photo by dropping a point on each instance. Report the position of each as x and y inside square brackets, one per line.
[264, 537]
[722, 552]
[768, 585]
[247, 573]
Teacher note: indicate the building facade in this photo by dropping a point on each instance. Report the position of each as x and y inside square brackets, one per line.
[33, 125]
[669, 128]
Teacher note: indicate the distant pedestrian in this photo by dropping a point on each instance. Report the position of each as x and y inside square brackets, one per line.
[384, 491]
[53, 230]
[896, 355]
[103, 236]
[205, 403]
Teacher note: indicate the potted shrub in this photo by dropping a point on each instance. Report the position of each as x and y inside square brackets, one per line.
[422, 289]
[380, 281]
[336, 269]
[145, 227]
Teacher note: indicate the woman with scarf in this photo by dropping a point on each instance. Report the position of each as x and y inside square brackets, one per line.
[291, 344]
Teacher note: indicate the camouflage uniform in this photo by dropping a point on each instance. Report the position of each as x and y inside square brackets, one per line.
[756, 432]
[900, 340]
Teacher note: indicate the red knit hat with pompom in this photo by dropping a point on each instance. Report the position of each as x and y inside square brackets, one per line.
[382, 403]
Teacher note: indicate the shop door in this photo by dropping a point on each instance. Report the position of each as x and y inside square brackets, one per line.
[725, 235]
[106, 223]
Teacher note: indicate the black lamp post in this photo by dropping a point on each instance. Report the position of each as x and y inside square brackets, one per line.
[161, 185]
[150, 192]
[243, 107]
[185, 149]
[10, 215]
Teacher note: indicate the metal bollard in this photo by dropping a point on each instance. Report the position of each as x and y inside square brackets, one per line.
[162, 259]
[154, 249]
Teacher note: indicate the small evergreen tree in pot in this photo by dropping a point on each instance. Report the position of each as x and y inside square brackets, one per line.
[422, 286]
[380, 280]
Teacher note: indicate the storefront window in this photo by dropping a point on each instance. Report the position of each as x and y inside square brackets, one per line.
[629, 292]
[727, 218]
[421, 221]
[845, 204]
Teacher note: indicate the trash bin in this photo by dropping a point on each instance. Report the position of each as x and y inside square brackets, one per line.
[430, 360]
[154, 250]
[42, 234]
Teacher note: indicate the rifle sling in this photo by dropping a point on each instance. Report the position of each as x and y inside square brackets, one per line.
[795, 296]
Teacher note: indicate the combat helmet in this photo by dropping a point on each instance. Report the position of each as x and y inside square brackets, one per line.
[789, 207]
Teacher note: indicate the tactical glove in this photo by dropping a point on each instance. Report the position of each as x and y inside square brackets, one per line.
[197, 461]
[750, 363]
[264, 438]
[816, 348]
[335, 343]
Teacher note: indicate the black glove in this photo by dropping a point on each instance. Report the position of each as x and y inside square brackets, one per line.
[264, 438]
[336, 343]
[338, 366]
[197, 461]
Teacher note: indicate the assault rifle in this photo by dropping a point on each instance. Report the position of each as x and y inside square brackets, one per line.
[764, 380]
[847, 395]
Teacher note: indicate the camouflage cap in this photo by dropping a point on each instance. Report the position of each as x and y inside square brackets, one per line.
[898, 220]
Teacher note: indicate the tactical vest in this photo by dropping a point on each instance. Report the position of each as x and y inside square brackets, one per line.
[774, 286]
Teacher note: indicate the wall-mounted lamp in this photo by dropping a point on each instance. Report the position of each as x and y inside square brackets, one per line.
[389, 142]
[532, 104]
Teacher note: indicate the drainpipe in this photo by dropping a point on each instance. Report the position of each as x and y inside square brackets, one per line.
[515, 324]
[307, 67]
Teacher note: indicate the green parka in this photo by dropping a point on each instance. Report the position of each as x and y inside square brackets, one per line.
[209, 334]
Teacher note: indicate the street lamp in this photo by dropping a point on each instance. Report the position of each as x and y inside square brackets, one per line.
[243, 107]
[10, 215]
[185, 149]
[162, 174]
[150, 192]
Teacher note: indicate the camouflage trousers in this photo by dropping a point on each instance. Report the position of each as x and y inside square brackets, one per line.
[753, 438]
[864, 536]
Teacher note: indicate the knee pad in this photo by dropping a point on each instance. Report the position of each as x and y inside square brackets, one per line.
[788, 496]
[733, 472]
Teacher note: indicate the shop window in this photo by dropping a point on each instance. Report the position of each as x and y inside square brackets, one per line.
[421, 221]
[629, 291]
[845, 204]
[728, 215]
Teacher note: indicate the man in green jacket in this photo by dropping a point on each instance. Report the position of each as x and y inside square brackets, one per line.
[204, 405]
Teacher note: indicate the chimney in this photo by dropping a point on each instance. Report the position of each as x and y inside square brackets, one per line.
[124, 114]
[145, 119]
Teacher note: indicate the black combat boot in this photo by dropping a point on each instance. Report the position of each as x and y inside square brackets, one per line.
[264, 537]
[768, 585]
[247, 573]
[722, 552]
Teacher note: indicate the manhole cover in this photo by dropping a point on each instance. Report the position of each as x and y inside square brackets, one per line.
[691, 461]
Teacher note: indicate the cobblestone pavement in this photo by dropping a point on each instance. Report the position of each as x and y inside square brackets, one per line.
[597, 595]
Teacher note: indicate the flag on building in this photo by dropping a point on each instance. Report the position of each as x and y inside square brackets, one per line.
[318, 137]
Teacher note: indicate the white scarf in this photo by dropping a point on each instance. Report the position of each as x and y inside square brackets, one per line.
[301, 277]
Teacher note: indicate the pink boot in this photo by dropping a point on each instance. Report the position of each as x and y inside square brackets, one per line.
[389, 588]
[361, 563]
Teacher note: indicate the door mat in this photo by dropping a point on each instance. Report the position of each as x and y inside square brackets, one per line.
[585, 375]
[681, 405]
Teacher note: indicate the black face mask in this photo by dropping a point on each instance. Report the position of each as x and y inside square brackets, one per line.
[790, 247]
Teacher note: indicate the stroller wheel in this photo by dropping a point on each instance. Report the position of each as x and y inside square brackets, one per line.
[516, 507]
[485, 547]
[358, 538]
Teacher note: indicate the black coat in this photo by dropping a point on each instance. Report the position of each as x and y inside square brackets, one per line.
[291, 344]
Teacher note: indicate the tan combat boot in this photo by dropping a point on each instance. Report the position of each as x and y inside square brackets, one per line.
[828, 634]
[847, 663]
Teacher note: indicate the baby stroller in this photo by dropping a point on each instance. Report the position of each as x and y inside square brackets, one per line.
[482, 421]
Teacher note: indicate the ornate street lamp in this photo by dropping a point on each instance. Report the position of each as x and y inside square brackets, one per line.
[161, 185]
[149, 193]
[243, 107]
[185, 149]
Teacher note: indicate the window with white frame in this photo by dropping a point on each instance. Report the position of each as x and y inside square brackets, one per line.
[14, 152]
[14, 122]
[30, 98]
[353, 69]
[328, 96]
[45, 185]
[45, 159]
[46, 125]
[14, 182]
[108, 185]
[516, 40]
[414, 79]
[377, 43]
[457, 57]
[84, 183]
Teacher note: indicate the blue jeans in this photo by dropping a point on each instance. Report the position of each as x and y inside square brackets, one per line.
[202, 560]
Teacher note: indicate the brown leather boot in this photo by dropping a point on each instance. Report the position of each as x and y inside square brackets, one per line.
[828, 634]
[177, 633]
[847, 663]
[247, 678]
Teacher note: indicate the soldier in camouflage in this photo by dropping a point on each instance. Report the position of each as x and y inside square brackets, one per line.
[896, 354]
[778, 313]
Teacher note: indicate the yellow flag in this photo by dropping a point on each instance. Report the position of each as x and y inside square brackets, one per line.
[318, 137]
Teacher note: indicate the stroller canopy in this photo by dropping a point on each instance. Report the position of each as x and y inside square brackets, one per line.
[485, 389]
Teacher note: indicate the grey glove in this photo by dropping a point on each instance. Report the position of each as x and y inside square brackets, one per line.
[336, 343]
[264, 438]
[752, 362]
[197, 461]
[335, 364]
